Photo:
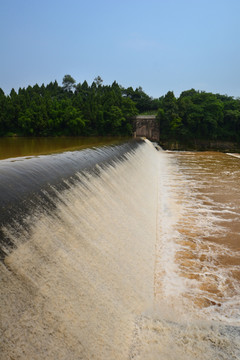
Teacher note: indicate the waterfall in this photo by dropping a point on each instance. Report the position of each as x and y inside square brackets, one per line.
[89, 243]
[76, 276]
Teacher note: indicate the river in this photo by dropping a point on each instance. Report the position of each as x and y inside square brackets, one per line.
[11, 147]
[120, 252]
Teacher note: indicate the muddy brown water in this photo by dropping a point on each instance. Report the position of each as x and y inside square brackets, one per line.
[12, 147]
[139, 259]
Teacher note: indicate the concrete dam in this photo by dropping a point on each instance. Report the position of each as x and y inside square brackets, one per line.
[113, 253]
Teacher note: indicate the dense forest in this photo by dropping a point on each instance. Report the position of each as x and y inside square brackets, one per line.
[199, 115]
[97, 109]
[72, 109]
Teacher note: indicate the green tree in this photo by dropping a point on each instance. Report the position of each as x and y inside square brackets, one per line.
[68, 83]
[170, 122]
[115, 119]
[5, 121]
[128, 108]
[98, 81]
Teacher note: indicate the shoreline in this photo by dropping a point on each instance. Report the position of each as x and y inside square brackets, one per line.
[201, 145]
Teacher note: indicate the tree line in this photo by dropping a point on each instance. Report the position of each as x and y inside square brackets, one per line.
[97, 109]
[72, 109]
[199, 115]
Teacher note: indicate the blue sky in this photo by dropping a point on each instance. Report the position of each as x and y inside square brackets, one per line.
[160, 45]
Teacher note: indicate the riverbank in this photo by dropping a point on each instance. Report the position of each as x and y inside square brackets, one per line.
[200, 145]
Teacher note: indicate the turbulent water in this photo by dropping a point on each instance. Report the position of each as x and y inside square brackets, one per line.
[120, 252]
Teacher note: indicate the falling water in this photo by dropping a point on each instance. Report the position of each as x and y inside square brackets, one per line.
[119, 252]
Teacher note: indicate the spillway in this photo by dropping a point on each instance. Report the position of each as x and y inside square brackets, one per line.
[96, 250]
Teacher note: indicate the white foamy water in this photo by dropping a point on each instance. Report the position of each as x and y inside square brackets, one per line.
[196, 262]
[138, 260]
[197, 290]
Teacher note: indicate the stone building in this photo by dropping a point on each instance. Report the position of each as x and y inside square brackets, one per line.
[146, 126]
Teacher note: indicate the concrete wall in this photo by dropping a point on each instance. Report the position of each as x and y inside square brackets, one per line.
[146, 126]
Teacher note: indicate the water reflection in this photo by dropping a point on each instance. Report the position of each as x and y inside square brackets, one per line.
[27, 146]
